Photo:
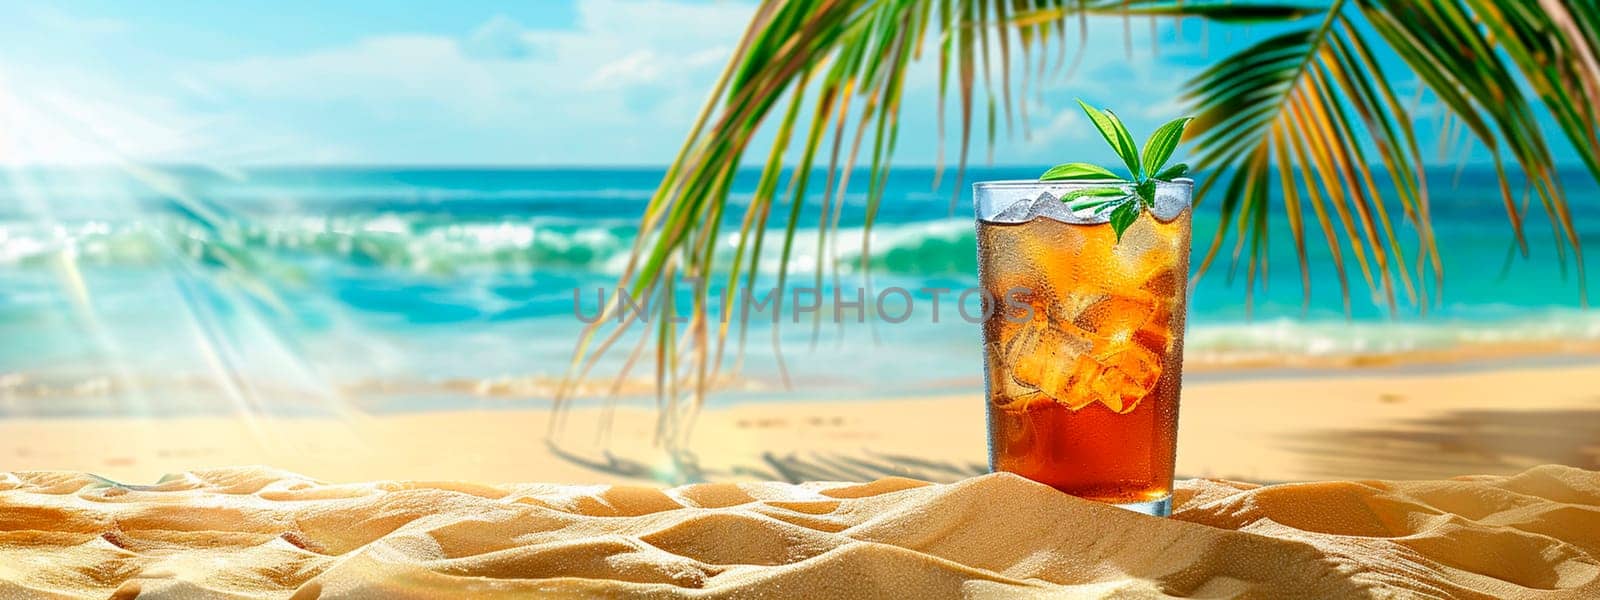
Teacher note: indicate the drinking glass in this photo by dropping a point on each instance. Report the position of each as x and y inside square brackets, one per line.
[1083, 339]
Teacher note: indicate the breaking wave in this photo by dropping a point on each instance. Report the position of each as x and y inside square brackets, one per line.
[427, 243]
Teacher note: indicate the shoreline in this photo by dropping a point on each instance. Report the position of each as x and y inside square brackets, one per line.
[1459, 357]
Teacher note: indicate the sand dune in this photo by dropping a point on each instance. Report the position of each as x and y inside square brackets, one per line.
[261, 533]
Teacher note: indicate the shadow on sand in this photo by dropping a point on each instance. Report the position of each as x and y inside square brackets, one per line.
[1471, 442]
[792, 467]
[1477, 442]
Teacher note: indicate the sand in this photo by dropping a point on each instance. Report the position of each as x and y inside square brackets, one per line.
[415, 530]
[1329, 426]
[262, 533]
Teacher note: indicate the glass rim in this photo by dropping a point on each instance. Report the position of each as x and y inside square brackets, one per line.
[1029, 183]
[993, 201]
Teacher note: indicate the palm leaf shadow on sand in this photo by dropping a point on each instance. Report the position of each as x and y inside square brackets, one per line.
[1477, 442]
[864, 466]
[792, 467]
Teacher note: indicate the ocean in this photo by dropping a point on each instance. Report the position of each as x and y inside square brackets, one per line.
[315, 290]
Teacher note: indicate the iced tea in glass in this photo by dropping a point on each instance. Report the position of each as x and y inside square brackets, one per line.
[1083, 340]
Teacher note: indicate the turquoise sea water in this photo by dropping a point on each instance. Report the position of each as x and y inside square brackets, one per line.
[396, 289]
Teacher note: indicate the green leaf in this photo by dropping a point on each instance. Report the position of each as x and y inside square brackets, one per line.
[1077, 171]
[1130, 151]
[1223, 13]
[1096, 204]
[1173, 172]
[1116, 135]
[1100, 210]
[1123, 217]
[1094, 192]
[1162, 143]
[1146, 190]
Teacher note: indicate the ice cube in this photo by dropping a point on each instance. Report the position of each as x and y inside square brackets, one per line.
[1093, 347]
[1022, 211]
[1170, 200]
[1004, 391]
[1069, 306]
[1130, 374]
[1047, 358]
[1131, 334]
[1164, 284]
[1114, 315]
[1156, 334]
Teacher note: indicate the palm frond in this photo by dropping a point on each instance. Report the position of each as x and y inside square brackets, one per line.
[1307, 98]
[848, 60]
[1313, 97]
[1308, 118]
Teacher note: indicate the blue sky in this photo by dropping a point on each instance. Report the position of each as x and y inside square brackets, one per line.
[548, 82]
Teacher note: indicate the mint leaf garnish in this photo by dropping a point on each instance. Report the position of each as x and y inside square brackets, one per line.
[1173, 172]
[1161, 144]
[1094, 192]
[1137, 192]
[1098, 206]
[1146, 190]
[1116, 134]
[1123, 217]
[1077, 171]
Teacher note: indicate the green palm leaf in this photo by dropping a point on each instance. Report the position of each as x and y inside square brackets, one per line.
[1296, 90]
[1307, 99]
[1282, 122]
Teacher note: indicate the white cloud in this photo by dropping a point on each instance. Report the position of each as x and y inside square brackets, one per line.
[631, 70]
[637, 68]
[620, 86]
[1065, 125]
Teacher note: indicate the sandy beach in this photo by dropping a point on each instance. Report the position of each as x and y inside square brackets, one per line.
[266, 533]
[1334, 425]
[1430, 485]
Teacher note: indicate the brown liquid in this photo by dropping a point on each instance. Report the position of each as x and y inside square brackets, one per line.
[1084, 353]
